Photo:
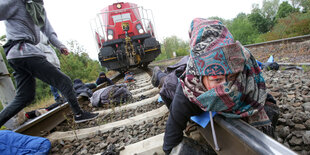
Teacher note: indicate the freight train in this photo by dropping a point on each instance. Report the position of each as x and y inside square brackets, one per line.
[125, 36]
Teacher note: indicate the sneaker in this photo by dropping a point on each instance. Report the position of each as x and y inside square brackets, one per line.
[155, 81]
[31, 114]
[85, 116]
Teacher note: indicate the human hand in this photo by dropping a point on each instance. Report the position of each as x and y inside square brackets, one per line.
[64, 51]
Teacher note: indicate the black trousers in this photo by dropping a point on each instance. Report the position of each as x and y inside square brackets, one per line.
[25, 72]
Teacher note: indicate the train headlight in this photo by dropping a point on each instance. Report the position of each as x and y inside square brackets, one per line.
[119, 5]
[110, 34]
[139, 28]
[110, 37]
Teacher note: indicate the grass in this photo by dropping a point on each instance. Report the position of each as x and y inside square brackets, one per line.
[38, 105]
[305, 68]
[41, 104]
[1, 106]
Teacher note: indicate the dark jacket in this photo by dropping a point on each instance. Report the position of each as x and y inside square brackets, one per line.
[81, 89]
[181, 109]
[169, 86]
[102, 80]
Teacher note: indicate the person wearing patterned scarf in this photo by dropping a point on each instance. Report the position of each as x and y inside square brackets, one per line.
[222, 76]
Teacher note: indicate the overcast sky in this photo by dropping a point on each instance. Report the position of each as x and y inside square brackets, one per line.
[71, 18]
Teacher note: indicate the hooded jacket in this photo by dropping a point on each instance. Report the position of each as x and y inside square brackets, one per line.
[101, 80]
[20, 26]
[50, 53]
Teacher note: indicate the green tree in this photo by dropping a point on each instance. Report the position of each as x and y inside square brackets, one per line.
[260, 20]
[162, 55]
[174, 44]
[78, 64]
[170, 45]
[284, 10]
[304, 4]
[242, 29]
[270, 8]
[183, 48]
[295, 24]
[268, 12]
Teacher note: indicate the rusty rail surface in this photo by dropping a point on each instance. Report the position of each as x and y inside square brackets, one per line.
[46, 122]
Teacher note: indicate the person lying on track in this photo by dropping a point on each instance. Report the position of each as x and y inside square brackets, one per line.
[221, 76]
[103, 78]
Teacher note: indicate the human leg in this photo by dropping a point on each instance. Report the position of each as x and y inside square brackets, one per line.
[157, 76]
[25, 90]
[48, 73]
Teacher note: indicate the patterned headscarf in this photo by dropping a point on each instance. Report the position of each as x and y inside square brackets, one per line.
[214, 52]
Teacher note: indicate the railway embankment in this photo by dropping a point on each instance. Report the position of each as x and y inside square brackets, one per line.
[283, 52]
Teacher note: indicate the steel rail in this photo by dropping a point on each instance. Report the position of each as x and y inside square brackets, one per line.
[234, 136]
[294, 64]
[48, 121]
[285, 40]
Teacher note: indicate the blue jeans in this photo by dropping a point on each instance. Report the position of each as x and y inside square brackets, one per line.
[25, 72]
[55, 92]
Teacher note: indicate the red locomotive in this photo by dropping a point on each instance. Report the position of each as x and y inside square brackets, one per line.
[125, 36]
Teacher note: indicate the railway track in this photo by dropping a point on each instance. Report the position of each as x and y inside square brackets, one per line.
[131, 129]
[139, 131]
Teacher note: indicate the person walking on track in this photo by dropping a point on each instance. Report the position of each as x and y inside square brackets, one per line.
[24, 19]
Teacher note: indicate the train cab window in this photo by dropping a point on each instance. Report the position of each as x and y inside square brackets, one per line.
[121, 17]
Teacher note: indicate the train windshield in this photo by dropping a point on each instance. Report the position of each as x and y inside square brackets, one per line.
[121, 17]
